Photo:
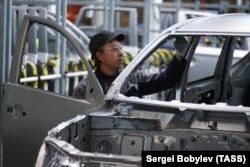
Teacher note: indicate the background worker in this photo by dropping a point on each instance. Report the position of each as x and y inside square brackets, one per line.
[106, 51]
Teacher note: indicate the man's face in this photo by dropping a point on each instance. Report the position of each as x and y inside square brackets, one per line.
[111, 55]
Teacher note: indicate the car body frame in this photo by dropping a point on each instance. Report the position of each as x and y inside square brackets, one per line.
[199, 113]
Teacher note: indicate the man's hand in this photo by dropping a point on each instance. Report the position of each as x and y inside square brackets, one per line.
[180, 45]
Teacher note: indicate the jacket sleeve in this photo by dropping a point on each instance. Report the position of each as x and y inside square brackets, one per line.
[168, 78]
[80, 90]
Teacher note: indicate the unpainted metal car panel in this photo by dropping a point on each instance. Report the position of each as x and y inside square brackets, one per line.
[116, 120]
[212, 25]
[112, 136]
[28, 112]
[203, 118]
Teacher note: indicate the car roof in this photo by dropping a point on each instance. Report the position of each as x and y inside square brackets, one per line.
[227, 24]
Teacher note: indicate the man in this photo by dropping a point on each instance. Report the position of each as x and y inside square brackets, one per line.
[106, 51]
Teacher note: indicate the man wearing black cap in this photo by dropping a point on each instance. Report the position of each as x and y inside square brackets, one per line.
[107, 53]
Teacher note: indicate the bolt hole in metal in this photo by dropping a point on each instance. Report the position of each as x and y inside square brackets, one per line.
[105, 146]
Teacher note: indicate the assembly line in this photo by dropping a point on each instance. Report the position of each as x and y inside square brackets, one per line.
[100, 86]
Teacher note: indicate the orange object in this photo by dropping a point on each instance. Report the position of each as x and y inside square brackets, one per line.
[72, 12]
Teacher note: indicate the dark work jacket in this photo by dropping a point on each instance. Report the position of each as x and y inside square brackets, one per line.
[139, 83]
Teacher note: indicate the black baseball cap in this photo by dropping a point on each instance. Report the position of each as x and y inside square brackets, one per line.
[101, 38]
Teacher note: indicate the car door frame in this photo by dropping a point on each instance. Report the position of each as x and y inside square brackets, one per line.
[216, 83]
[29, 113]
